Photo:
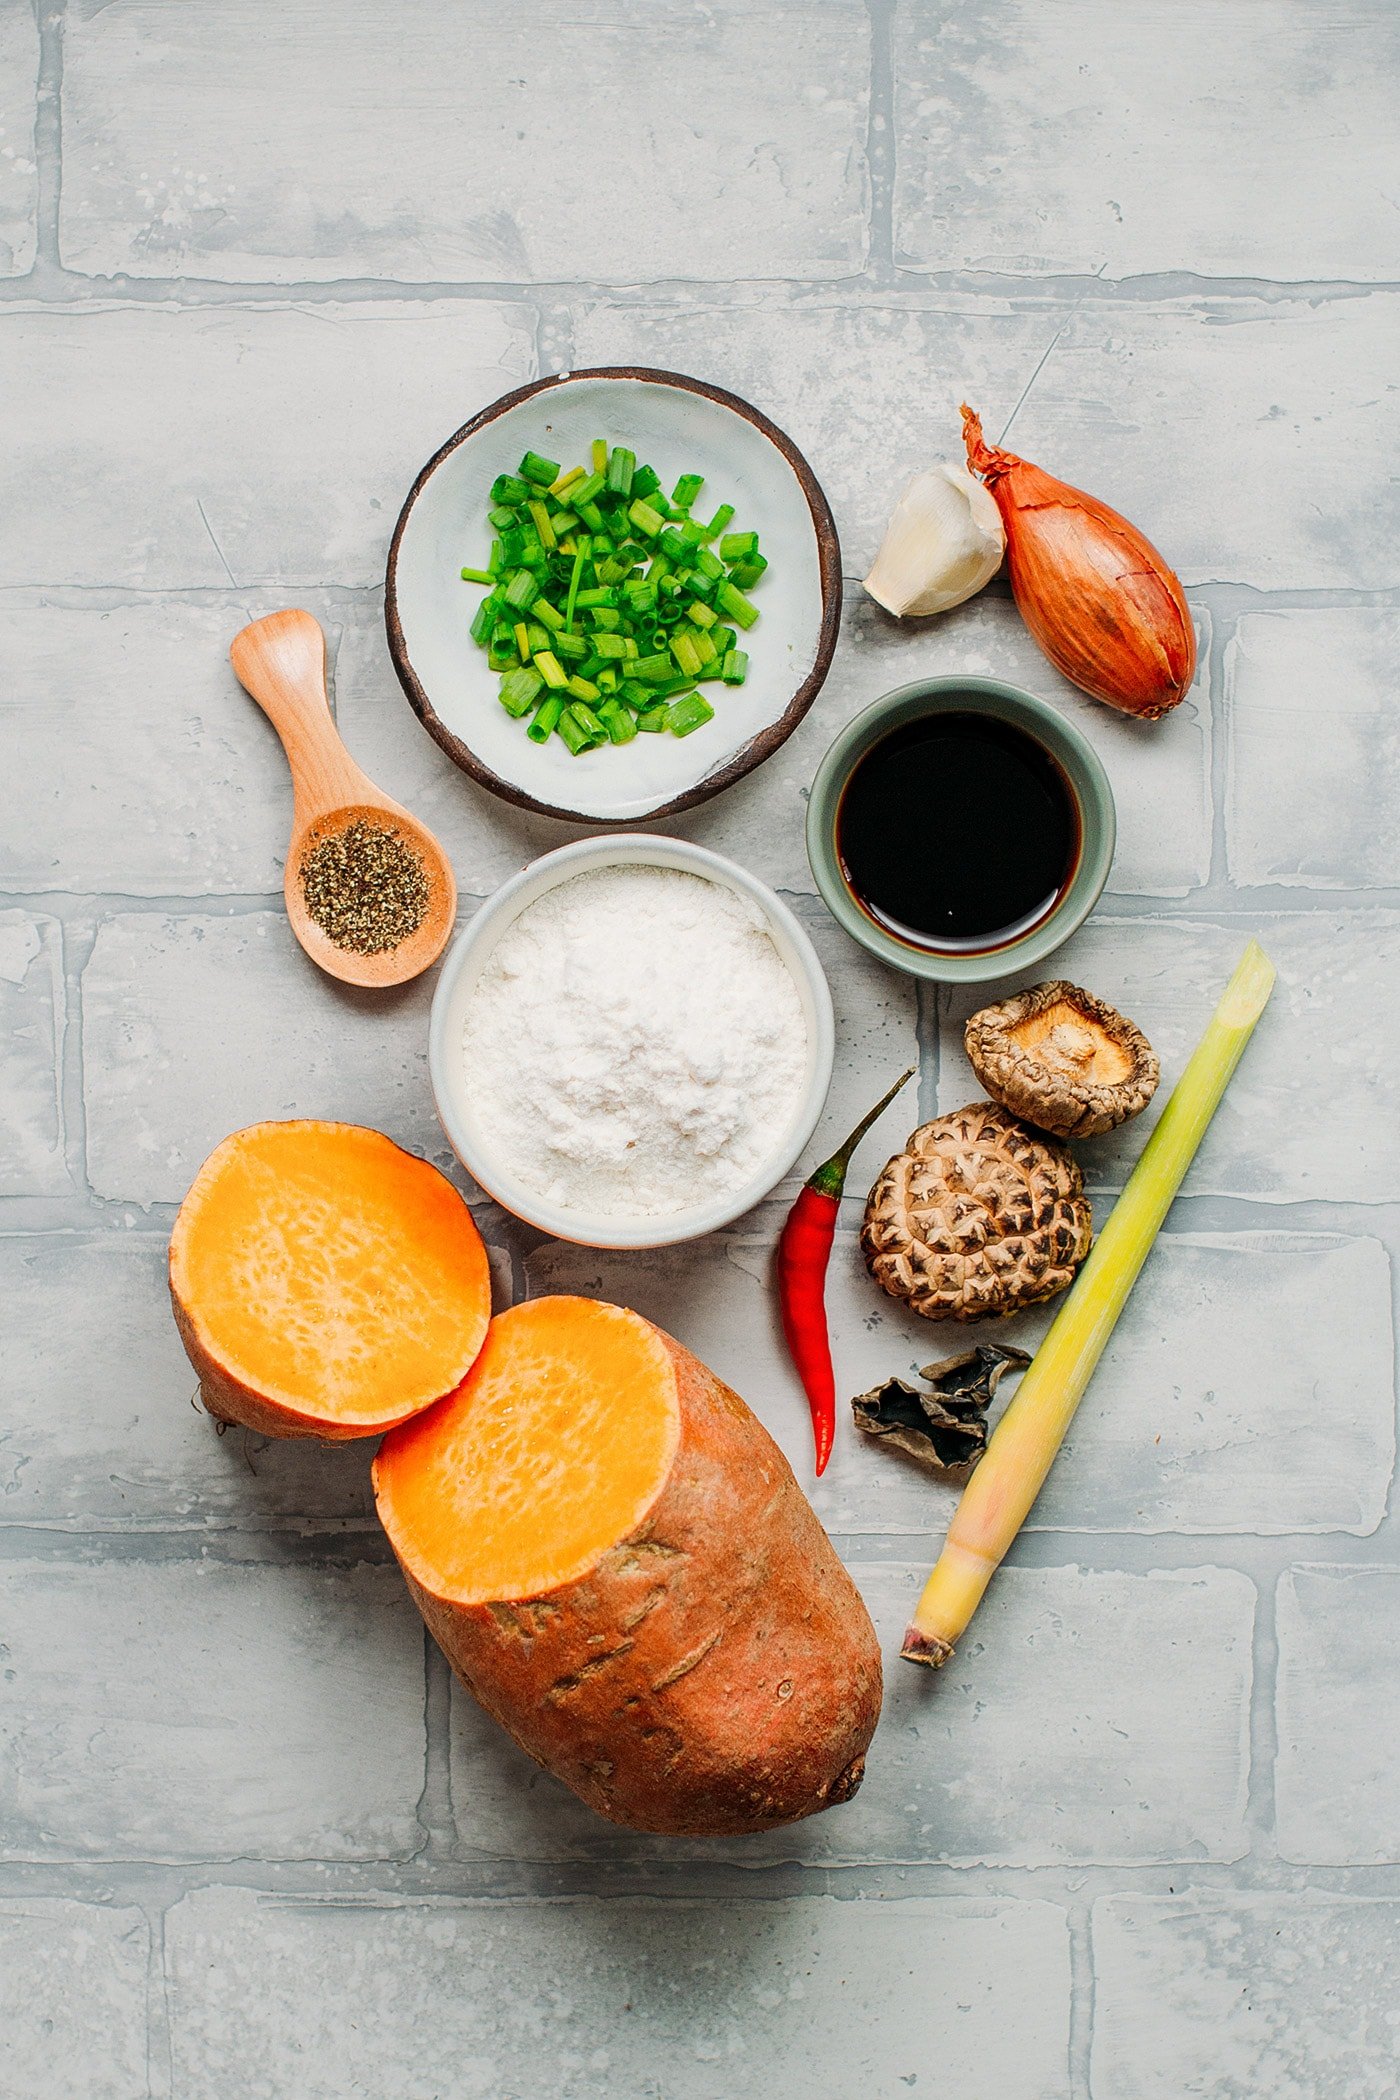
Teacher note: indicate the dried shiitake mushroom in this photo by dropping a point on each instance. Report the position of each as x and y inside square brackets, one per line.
[1060, 1058]
[977, 1215]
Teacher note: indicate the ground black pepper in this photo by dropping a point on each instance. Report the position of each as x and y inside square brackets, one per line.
[365, 886]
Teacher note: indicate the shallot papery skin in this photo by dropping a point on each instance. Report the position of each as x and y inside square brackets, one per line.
[1095, 593]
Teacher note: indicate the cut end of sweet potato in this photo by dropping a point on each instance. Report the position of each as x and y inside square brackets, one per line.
[553, 1448]
[325, 1282]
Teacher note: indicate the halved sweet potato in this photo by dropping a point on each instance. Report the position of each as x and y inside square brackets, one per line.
[325, 1283]
[615, 1558]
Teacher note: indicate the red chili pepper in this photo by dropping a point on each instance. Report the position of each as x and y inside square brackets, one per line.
[804, 1251]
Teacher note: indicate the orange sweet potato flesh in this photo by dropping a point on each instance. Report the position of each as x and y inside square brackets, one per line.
[616, 1560]
[324, 1282]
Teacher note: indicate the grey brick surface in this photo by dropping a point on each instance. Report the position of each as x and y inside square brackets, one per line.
[73, 1999]
[197, 1711]
[171, 171]
[32, 1014]
[1139, 1840]
[1339, 1681]
[594, 1998]
[19, 187]
[198, 1025]
[1276, 160]
[1314, 749]
[1244, 1995]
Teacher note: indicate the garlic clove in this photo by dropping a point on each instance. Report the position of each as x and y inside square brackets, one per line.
[943, 543]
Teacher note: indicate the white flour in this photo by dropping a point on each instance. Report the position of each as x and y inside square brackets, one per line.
[635, 1043]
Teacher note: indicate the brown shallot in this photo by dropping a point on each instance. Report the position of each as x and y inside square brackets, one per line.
[1096, 595]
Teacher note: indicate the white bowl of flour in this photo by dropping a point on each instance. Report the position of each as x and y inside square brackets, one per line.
[631, 1042]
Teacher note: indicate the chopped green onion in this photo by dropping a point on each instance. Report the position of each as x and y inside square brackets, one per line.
[689, 712]
[720, 521]
[566, 481]
[542, 472]
[522, 590]
[735, 604]
[509, 488]
[619, 722]
[576, 735]
[547, 613]
[582, 688]
[599, 455]
[621, 464]
[736, 667]
[738, 546]
[519, 690]
[546, 718]
[686, 490]
[580, 557]
[653, 722]
[645, 482]
[645, 518]
[552, 671]
[745, 574]
[477, 576]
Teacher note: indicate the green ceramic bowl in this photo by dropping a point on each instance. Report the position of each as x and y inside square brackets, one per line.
[1098, 824]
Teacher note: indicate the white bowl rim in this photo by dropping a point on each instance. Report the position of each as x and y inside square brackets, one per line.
[628, 848]
[765, 741]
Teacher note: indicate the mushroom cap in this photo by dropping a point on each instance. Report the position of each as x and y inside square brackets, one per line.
[977, 1215]
[1060, 1058]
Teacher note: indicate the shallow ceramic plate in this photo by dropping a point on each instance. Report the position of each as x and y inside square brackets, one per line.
[680, 426]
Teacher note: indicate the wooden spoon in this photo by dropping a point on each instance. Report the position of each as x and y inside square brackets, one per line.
[282, 662]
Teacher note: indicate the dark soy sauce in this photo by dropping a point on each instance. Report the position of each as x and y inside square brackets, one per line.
[957, 833]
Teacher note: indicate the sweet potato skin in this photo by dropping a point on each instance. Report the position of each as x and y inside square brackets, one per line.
[716, 1673]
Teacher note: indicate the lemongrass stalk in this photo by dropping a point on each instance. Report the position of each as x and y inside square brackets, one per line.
[998, 1498]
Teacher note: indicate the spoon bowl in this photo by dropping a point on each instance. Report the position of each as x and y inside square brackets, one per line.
[281, 661]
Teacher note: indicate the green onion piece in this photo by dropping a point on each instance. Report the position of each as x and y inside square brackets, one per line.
[687, 489]
[720, 521]
[548, 614]
[709, 566]
[572, 646]
[738, 546]
[582, 712]
[599, 455]
[610, 644]
[480, 629]
[501, 657]
[619, 722]
[686, 654]
[605, 616]
[477, 576]
[653, 722]
[553, 672]
[745, 574]
[736, 667]
[646, 519]
[621, 465]
[546, 718]
[509, 488]
[540, 471]
[521, 591]
[592, 516]
[733, 601]
[500, 517]
[703, 647]
[522, 641]
[585, 491]
[580, 557]
[645, 482]
[519, 690]
[652, 670]
[692, 711]
[578, 738]
[700, 614]
[566, 481]
[544, 526]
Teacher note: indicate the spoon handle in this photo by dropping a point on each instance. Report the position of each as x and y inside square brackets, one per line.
[281, 660]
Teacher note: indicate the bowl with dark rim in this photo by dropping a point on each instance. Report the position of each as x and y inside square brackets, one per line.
[1090, 797]
[679, 425]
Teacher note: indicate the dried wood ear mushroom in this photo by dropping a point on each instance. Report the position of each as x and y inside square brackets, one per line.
[1060, 1058]
[945, 1429]
[977, 1215]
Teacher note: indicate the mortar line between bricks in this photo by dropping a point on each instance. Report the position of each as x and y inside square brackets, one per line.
[53, 286]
